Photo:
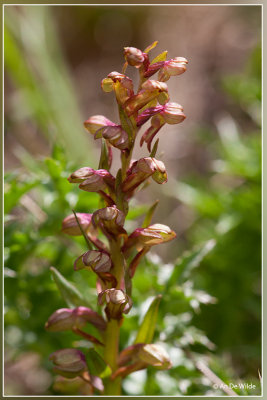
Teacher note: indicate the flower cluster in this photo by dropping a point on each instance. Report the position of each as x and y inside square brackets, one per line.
[114, 254]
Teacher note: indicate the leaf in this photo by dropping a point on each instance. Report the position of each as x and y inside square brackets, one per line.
[189, 261]
[126, 124]
[90, 247]
[154, 149]
[104, 162]
[68, 291]
[149, 215]
[150, 47]
[161, 57]
[96, 364]
[146, 330]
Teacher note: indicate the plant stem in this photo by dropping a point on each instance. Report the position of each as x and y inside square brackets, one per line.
[112, 387]
[118, 262]
[125, 162]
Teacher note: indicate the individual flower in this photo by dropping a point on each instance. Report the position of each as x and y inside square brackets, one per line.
[150, 90]
[101, 126]
[150, 236]
[117, 302]
[142, 170]
[140, 356]
[96, 122]
[92, 180]
[121, 84]
[99, 262]
[155, 355]
[115, 135]
[70, 319]
[170, 113]
[175, 66]
[69, 362]
[72, 228]
[110, 220]
[134, 56]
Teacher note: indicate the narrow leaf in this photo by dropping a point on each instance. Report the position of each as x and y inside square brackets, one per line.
[149, 215]
[161, 57]
[104, 158]
[126, 124]
[68, 291]
[151, 46]
[146, 331]
[90, 247]
[154, 149]
[96, 364]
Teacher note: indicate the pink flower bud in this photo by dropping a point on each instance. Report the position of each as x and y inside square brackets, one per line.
[133, 56]
[121, 84]
[155, 85]
[68, 319]
[173, 113]
[98, 261]
[115, 135]
[155, 355]
[70, 226]
[110, 220]
[97, 180]
[150, 236]
[81, 175]
[118, 302]
[69, 362]
[150, 90]
[142, 170]
[96, 122]
[175, 66]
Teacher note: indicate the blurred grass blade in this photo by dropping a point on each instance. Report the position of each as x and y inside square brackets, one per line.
[68, 291]
[146, 331]
[35, 63]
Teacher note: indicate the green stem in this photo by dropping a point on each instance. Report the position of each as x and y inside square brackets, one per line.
[112, 387]
[118, 261]
[125, 163]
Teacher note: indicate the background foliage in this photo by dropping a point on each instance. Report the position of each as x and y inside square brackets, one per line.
[210, 278]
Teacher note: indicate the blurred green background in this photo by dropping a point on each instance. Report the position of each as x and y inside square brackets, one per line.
[210, 276]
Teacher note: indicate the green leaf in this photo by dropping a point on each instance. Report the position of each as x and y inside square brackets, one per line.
[68, 291]
[189, 261]
[146, 331]
[96, 364]
[149, 215]
[90, 247]
[161, 57]
[150, 47]
[126, 124]
[103, 162]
